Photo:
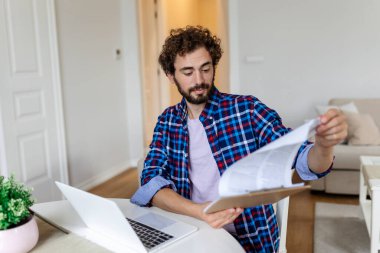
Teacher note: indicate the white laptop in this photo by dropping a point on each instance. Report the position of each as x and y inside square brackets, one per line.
[145, 231]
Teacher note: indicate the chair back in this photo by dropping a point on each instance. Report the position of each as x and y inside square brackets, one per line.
[282, 210]
[140, 167]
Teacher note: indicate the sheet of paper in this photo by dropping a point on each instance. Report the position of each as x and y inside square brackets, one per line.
[268, 167]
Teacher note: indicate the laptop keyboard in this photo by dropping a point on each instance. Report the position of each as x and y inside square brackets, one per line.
[149, 236]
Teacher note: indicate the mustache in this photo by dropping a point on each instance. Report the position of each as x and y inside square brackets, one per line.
[199, 86]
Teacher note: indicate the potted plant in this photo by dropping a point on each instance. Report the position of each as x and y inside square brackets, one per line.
[18, 228]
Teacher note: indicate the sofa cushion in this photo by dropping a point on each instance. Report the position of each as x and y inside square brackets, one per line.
[347, 156]
[349, 107]
[342, 182]
[318, 185]
[362, 129]
[366, 105]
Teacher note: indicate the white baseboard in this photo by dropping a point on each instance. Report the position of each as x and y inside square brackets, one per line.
[133, 162]
[105, 175]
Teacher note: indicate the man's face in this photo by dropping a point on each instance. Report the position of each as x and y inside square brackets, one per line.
[194, 75]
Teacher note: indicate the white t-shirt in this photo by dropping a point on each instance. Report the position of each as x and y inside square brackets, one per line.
[204, 173]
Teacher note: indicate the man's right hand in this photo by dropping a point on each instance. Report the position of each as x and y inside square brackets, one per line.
[171, 201]
[220, 218]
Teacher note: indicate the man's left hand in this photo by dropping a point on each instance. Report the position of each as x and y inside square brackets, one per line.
[332, 129]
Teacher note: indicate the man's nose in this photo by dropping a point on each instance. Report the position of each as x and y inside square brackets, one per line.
[199, 77]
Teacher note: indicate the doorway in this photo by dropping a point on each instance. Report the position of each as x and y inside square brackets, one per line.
[157, 18]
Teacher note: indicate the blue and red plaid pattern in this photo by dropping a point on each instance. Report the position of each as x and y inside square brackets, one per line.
[235, 126]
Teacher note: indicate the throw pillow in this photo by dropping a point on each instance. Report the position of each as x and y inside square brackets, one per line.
[349, 107]
[362, 129]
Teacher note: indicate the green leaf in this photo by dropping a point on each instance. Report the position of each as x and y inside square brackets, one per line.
[15, 200]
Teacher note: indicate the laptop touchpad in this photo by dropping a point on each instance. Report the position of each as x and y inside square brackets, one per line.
[155, 220]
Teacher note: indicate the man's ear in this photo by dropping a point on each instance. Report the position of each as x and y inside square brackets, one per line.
[171, 78]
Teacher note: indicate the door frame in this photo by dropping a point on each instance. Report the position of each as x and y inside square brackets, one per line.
[57, 92]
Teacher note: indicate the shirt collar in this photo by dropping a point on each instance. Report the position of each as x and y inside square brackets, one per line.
[211, 106]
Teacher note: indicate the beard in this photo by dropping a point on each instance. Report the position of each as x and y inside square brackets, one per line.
[196, 99]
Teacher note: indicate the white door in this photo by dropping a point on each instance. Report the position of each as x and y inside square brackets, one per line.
[32, 143]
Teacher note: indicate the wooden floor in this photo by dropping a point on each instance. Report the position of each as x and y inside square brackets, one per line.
[121, 186]
[301, 209]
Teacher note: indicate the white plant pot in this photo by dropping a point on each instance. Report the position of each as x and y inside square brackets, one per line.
[19, 239]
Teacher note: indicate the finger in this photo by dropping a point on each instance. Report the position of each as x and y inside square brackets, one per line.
[233, 216]
[331, 140]
[229, 217]
[332, 118]
[219, 223]
[222, 222]
[330, 137]
[341, 128]
[335, 136]
[219, 217]
[329, 115]
[338, 121]
[222, 214]
[337, 132]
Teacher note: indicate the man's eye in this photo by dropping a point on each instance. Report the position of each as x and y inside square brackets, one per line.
[206, 70]
[188, 73]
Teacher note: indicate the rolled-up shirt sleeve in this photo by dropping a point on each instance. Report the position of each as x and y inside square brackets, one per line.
[145, 193]
[303, 169]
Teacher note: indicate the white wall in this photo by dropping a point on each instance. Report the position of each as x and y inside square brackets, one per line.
[304, 52]
[99, 90]
[3, 163]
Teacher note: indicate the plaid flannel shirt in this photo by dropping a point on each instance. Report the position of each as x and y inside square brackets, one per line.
[235, 126]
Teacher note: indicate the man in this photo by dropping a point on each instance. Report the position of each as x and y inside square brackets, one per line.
[195, 141]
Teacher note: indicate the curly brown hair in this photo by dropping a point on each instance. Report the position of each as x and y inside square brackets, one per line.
[185, 40]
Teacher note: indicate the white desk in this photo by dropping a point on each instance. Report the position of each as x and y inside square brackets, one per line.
[206, 239]
[370, 183]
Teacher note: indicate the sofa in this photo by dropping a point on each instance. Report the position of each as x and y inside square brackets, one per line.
[363, 139]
